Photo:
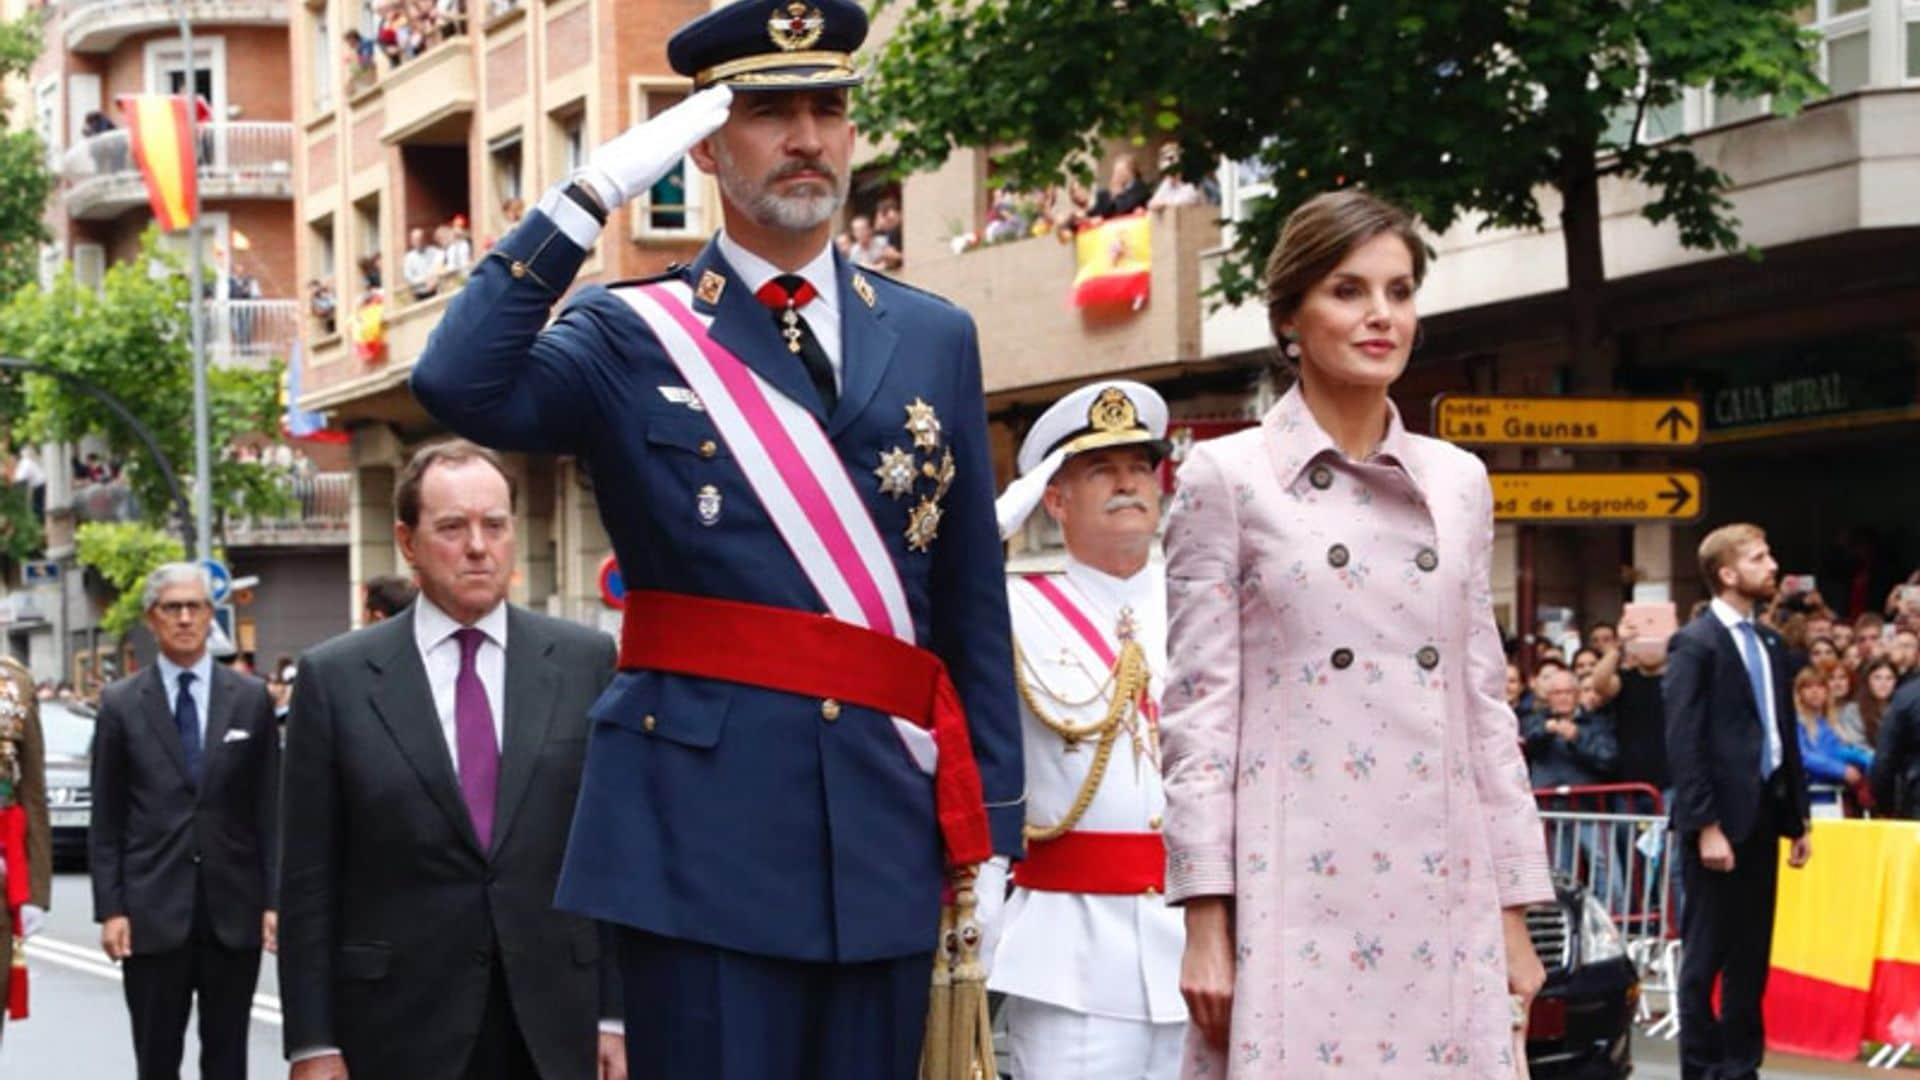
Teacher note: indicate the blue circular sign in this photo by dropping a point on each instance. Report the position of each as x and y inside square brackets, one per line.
[222, 580]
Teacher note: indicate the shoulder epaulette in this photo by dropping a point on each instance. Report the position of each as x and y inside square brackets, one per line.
[908, 286]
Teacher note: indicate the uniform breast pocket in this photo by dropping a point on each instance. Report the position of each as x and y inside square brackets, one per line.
[693, 477]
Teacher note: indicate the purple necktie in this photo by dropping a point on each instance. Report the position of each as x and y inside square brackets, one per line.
[474, 741]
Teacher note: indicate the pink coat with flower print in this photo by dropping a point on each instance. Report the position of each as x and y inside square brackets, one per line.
[1339, 755]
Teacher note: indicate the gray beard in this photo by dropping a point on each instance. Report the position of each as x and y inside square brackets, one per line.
[796, 212]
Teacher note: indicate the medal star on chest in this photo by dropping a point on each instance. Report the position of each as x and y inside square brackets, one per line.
[923, 425]
[896, 472]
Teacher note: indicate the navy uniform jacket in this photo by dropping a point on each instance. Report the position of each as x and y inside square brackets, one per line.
[712, 811]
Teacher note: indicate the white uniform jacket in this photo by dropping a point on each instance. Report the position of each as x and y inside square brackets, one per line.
[1105, 955]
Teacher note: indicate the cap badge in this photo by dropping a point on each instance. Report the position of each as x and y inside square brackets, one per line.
[795, 26]
[1113, 411]
[710, 287]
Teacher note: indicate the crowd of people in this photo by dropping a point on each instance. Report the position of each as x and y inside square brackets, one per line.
[403, 29]
[1597, 716]
[875, 241]
[437, 260]
[1063, 210]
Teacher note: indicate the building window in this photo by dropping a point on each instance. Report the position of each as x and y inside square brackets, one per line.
[566, 140]
[322, 302]
[504, 161]
[1846, 42]
[672, 207]
[369, 272]
[320, 34]
[1913, 44]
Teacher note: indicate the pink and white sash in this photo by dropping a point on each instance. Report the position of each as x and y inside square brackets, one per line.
[796, 474]
[1090, 633]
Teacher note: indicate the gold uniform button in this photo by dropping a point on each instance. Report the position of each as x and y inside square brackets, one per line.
[829, 710]
[1151, 891]
[517, 269]
[1154, 823]
[649, 722]
[708, 448]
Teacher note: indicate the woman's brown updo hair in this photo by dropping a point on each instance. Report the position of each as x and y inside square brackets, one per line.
[1322, 232]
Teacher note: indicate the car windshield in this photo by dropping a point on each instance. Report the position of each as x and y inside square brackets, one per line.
[69, 731]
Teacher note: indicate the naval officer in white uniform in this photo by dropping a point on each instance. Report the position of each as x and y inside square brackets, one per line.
[1087, 949]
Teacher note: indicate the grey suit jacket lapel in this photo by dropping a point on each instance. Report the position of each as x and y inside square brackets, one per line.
[403, 700]
[223, 690]
[532, 686]
[153, 701]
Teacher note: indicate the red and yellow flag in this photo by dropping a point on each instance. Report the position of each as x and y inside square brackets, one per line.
[157, 125]
[1846, 942]
[1115, 263]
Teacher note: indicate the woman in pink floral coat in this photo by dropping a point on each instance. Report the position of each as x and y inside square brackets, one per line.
[1349, 822]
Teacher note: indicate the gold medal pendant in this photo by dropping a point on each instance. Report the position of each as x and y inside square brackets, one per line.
[923, 425]
[923, 525]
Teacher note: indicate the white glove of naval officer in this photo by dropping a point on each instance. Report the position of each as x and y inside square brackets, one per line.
[634, 160]
[989, 899]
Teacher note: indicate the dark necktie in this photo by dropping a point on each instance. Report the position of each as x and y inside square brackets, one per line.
[186, 717]
[786, 295]
[476, 746]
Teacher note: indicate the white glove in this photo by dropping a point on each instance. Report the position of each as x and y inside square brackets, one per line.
[32, 920]
[636, 158]
[989, 899]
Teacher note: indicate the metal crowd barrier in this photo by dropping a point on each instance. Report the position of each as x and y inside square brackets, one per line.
[1612, 839]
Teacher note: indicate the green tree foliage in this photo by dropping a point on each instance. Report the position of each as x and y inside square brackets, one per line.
[21, 537]
[1448, 107]
[132, 339]
[25, 181]
[123, 553]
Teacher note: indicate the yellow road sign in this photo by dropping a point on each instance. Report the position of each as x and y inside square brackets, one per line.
[1588, 422]
[1588, 498]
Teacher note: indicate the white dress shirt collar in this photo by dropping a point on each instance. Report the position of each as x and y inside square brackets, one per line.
[755, 271]
[1116, 592]
[170, 673]
[1728, 615]
[431, 625]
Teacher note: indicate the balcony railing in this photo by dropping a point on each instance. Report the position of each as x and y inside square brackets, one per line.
[251, 333]
[322, 506]
[252, 160]
[105, 501]
[95, 26]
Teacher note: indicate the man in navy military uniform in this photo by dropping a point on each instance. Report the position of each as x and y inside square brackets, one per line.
[775, 435]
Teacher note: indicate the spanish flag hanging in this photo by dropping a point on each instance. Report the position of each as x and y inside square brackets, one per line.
[1846, 942]
[1115, 260]
[163, 145]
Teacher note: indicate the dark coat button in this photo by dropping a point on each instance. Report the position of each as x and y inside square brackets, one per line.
[1321, 477]
[1428, 657]
[1337, 556]
[1342, 659]
[1427, 560]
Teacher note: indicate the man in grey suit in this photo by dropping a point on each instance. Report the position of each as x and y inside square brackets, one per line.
[185, 767]
[432, 764]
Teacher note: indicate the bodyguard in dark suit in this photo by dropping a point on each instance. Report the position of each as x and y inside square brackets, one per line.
[432, 764]
[772, 840]
[1738, 789]
[186, 773]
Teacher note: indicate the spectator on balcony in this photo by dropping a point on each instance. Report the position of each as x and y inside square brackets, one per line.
[322, 306]
[1174, 190]
[868, 248]
[886, 222]
[422, 265]
[242, 287]
[369, 273]
[27, 473]
[109, 155]
[456, 246]
[361, 59]
[1125, 191]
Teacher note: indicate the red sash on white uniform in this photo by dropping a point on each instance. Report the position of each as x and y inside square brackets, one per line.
[1090, 633]
[797, 475]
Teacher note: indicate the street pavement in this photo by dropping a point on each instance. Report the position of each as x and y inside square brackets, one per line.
[78, 1028]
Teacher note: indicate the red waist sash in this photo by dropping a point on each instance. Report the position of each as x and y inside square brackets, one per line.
[819, 656]
[1095, 862]
[19, 889]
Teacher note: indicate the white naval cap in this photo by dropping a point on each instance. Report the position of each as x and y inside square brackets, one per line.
[1115, 412]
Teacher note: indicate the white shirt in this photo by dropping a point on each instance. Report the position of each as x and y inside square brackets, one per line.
[822, 315]
[28, 471]
[1731, 619]
[433, 631]
[202, 670]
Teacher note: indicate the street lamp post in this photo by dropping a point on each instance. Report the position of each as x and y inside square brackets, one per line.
[202, 533]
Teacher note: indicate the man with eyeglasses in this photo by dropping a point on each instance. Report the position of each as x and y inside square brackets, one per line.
[186, 768]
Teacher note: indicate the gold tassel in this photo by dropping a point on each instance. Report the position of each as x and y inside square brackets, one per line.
[959, 1044]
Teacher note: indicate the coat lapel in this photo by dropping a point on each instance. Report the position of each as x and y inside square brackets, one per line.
[744, 327]
[531, 690]
[404, 703]
[1734, 662]
[221, 694]
[153, 697]
[866, 346]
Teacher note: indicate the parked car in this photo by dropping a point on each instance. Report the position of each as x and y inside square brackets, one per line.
[68, 728]
[1581, 1027]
